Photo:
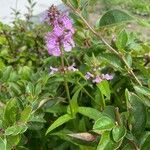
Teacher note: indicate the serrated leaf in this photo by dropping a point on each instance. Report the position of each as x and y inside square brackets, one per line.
[90, 112]
[114, 17]
[61, 120]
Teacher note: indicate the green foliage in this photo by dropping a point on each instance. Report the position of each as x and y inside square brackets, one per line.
[114, 17]
[36, 110]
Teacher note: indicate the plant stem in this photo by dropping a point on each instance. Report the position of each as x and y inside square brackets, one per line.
[87, 93]
[111, 49]
[134, 144]
[117, 116]
[65, 82]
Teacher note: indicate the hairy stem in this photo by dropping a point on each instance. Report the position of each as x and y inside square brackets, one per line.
[65, 82]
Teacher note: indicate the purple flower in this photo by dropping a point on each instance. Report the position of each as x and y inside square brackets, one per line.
[97, 79]
[89, 75]
[72, 68]
[62, 33]
[53, 44]
[53, 70]
[107, 77]
[67, 23]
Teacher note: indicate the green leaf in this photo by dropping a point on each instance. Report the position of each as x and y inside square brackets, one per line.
[103, 123]
[61, 120]
[74, 3]
[38, 89]
[114, 17]
[15, 88]
[128, 59]
[146, 144]
[12, 141]
[11, 113]
[127, 95]
[2, 144]
[89, 112]
[1, 73]
[143, 137]
[118, 133]
[30, 88]
[112, 59]
[74, 102]
[6, 73]
[122, 40]
[25, 114]
[25, 72]
[142, 90]
[15, 130]
[105, 142]
[104, 88]
[109, 111]
[138, 111]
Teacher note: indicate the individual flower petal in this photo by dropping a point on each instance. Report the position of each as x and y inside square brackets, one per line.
[58, 31]
[67, 47]
[66, 22]
[72, 68]
[97, 80]
[53, 70]
[52, 44]
[56, 51]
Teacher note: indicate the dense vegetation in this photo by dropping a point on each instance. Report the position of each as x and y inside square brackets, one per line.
[101, 102]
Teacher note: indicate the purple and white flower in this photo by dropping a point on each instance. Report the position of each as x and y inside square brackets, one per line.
[62, 32]
[53, 70]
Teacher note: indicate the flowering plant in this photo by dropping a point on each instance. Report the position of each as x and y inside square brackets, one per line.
[83, 84]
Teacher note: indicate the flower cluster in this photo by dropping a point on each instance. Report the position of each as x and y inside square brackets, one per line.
[56, 70]
[98, 78]
[61, 36]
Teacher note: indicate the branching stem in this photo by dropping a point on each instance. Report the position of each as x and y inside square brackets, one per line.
[110, 48]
